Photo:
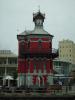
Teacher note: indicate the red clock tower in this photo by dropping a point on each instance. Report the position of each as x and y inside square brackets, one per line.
[35, 55]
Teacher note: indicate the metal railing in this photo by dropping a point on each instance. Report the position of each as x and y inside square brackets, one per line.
[8, 65]
[64, 90]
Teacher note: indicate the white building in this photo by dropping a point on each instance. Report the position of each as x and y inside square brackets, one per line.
[8, 64]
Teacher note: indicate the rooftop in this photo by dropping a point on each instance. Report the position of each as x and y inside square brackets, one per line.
[7, 53]
[38, 29]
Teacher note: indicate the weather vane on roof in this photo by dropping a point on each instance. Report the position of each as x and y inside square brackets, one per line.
[39, 8]
[17, 30]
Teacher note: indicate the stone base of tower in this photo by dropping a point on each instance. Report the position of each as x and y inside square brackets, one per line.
[24, 80]
[34, 81]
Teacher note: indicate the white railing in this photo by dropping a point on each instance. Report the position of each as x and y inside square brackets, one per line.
[8, 65]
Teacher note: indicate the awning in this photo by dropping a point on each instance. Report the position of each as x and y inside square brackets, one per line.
[8, 77]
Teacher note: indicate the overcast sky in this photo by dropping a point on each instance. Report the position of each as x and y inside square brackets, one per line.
[17, 15]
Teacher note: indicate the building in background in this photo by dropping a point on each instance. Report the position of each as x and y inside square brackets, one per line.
[67, 51]
[35, 58]
[64, 65]
[8, 64]
[62, 69]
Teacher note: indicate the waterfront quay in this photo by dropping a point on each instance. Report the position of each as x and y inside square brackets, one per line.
[36, 95]
[40, 97]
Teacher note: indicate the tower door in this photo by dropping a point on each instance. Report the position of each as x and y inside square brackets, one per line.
[39, 81]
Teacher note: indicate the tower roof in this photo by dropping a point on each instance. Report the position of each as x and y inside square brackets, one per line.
[36, 32]
[38, 29]
[38, 15]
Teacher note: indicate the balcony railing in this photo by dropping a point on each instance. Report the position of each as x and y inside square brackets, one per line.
[8, 65]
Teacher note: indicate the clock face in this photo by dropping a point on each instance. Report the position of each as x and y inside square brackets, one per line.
[39, 22]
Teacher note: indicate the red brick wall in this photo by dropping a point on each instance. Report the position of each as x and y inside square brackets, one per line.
[43, 47]
[34, 46]
[24, 65]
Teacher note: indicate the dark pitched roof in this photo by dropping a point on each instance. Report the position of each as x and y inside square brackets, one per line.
[38, 15]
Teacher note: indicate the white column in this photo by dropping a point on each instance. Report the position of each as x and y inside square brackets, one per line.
[18, 81]
[3, 81]
[5, 71]
[8, 83]
[43, 79]
[39, 80]
[6, 60]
